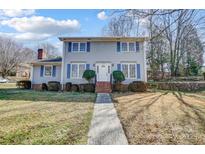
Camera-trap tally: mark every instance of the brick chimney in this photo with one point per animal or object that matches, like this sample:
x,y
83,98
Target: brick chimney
x,y
41,54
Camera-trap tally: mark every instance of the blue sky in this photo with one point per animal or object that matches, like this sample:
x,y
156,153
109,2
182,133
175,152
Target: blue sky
x,y
35,26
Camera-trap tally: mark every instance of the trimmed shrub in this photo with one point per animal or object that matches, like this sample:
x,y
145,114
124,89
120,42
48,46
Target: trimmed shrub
x,y
54,86
25,84
81,87
118,76
138,86
44,87
88,75
204,75
68,86
89,87
74,88
118,87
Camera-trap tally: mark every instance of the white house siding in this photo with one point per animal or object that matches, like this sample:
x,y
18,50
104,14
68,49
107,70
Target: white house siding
x,y
37,79
103,52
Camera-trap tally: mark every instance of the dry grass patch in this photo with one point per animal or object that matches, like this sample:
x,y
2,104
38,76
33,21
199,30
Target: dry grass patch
x,y
31,117
162,117
25,122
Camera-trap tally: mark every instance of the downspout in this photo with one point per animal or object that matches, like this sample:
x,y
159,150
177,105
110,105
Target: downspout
x,y
145,61
31,77
62,67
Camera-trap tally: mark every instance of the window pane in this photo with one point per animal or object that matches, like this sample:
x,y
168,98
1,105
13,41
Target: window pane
x,y
132,71
75,46
131,47
81,70
47,70
74,71
82,46
125,70
124,46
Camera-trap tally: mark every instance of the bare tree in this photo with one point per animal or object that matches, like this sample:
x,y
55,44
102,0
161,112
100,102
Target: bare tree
x,y
169,31
11,53
122,25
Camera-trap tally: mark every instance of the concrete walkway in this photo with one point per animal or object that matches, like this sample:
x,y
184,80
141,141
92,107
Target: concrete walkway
x,y
105,125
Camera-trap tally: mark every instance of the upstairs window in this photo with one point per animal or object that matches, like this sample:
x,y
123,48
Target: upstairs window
x,y
82,46
132,46
78,46
124,46
128,47
75,47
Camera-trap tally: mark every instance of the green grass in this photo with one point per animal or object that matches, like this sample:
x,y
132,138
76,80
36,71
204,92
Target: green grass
x,y
10,92
34,117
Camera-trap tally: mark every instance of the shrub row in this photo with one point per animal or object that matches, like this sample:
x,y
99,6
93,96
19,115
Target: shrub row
x,y
179,86
55,86
135,86
24,84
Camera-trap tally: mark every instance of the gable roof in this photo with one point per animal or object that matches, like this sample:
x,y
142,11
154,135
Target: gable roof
x,y
49,61
109,39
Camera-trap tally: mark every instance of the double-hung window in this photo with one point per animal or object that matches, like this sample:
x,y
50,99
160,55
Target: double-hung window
x,y
131,46
129,70
78,46
124,46
82,47
128,47
48,70
77,70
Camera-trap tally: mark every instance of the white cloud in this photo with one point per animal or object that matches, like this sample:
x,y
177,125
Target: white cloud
x,y
40,24
102,15
26,36
31,36
16,12
39,27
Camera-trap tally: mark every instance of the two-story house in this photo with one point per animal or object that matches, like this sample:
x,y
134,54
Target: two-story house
x,y
102,54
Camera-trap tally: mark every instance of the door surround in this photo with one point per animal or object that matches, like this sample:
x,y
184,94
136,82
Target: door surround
x,y
103,71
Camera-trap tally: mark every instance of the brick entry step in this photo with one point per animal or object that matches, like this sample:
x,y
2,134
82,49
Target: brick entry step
x,y
103,87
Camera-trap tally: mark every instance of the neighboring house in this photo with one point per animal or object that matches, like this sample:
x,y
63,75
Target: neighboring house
x,y
23,70
102,54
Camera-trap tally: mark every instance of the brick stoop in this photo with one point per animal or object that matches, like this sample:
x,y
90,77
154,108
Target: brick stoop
x,y
103,87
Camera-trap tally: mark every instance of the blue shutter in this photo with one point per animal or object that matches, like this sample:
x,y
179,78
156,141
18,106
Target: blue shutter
x,y
88,46
54,71
119,67
68,71
138,71
41,70
87,66
137,47
118,46
69,46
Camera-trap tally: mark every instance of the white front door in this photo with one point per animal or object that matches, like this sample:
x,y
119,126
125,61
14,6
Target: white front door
x,y
103,71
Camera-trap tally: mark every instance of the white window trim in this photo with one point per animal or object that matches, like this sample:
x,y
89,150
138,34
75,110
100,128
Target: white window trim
x,y
44,70
128,47
78,70
129,70
134,47
79,47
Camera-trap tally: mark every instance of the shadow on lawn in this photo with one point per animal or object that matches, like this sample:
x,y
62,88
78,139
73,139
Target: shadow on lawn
x,y
200,114
31,95
143,107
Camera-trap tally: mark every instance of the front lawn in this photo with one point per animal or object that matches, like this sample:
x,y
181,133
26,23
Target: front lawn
x,y
9,91
162,117
35,117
